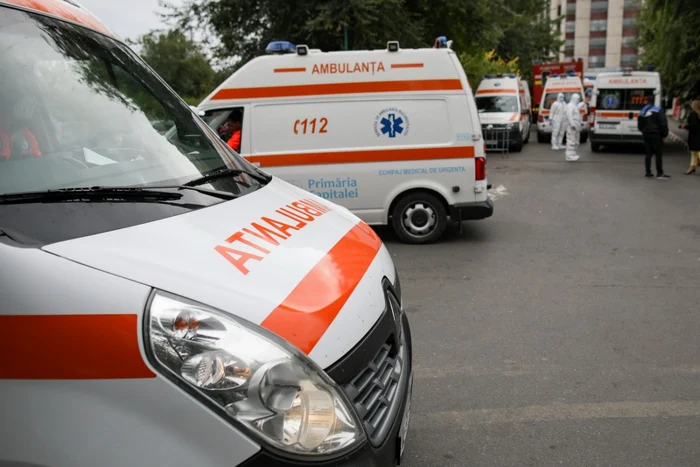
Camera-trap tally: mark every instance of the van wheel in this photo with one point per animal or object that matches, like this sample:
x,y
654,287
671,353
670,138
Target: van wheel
x,y
419,217
518,145
584,138
595,147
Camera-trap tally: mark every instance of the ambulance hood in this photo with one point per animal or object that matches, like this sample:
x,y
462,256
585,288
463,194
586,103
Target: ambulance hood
x,y
498,117
272,257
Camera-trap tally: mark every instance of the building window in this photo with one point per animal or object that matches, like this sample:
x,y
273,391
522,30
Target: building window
x,y
599,25
570,8
597,43
629,41
598,6
596,61
569,43
629,60
558,11
629,23
632,4
571,26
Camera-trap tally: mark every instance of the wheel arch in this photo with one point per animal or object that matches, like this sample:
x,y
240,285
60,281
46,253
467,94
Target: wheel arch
x,y
431,188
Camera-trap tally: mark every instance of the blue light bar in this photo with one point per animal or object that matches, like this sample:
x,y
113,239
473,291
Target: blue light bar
x,y
650,68
442,39
280,47
489,76
570,73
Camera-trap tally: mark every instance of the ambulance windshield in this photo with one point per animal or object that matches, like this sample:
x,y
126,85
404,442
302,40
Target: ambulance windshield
x,y
488,104
80,110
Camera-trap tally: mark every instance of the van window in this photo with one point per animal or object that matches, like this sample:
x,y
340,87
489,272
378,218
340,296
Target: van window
x,y
348,124
551,97
228,124
625,99
84,111
486,104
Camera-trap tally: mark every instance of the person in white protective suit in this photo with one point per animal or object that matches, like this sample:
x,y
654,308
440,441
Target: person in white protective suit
x,y
557,115
573,127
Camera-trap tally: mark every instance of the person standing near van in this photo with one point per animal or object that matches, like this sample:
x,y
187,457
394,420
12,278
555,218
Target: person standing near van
x,y
654,127
573,127
557,115
693,127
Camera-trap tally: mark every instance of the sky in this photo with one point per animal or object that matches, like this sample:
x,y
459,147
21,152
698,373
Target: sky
x,y
128,18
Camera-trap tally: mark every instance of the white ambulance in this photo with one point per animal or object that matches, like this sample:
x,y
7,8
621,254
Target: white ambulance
x,y
503,112
615,104
567,85
393,134
165,302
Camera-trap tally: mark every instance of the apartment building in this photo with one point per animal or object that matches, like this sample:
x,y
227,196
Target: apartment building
x,y
601,32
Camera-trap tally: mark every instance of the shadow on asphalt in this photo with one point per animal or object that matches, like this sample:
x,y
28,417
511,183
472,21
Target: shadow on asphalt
x,y
472,232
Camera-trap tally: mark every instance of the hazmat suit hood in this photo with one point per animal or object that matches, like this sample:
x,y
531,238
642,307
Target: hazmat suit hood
x,y
560,97
575,99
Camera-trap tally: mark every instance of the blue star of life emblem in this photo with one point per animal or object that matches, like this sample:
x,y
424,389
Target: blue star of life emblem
x,y
392,125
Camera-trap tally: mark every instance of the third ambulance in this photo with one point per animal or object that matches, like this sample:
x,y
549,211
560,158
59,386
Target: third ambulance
x,y
163,301
503,112
617,99
391,134
567,85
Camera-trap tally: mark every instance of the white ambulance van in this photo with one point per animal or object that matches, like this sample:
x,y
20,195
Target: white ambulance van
x,y
615,104
503,112
393,134
165,302
567,85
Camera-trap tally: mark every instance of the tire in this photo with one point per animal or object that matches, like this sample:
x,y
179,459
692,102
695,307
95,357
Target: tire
x,y
541,137
595,147
518,145
584,138
527,138
419,218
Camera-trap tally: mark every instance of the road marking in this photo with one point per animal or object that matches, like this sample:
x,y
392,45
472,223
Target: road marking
x,y
499,192
557,412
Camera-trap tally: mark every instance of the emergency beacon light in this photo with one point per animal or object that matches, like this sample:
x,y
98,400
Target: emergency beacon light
x,y
392,46
280,47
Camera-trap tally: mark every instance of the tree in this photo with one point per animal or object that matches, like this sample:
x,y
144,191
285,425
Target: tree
x,y
180,62
484,63
240,29
669,40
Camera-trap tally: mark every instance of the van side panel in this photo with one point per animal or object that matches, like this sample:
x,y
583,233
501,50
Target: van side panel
x,y
387,146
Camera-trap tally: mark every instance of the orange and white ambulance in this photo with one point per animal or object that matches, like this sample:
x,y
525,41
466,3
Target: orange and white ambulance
x,y
568,85
163,301
615,104
393,134
504,111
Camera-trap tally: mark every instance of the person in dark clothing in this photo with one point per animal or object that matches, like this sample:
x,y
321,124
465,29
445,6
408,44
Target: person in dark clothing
x,y
654,127
693,127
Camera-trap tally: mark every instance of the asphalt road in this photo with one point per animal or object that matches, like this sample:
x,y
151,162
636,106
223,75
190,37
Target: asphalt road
x,y
564,330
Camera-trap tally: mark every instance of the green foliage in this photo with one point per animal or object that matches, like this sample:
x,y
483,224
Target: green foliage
x,y
180,62
239,30
670,37
484,63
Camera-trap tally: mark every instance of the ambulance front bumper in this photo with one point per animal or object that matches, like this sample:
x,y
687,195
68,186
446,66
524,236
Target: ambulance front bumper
x,y
385,349
602,138
471,211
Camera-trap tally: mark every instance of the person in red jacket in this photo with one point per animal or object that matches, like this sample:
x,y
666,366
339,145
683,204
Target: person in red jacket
x,y
235,125
21,142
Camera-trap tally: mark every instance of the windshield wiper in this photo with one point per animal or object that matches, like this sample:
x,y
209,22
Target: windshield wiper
x,y
96,193
223,173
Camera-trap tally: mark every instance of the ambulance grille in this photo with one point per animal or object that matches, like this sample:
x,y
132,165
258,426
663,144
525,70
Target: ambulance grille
x,y
376,392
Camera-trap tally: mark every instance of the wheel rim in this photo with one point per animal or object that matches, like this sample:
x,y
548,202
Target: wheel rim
x,y
419,219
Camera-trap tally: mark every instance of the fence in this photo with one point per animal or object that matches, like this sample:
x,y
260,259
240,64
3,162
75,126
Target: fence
x,y
496,139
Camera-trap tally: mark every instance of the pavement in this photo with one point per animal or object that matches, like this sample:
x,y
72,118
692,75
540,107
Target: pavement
x,y
564,330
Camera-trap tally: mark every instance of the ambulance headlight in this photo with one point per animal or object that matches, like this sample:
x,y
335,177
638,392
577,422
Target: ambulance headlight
x,y
252,377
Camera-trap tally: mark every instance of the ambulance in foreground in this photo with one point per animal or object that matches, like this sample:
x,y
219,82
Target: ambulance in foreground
x,y
615,104
165,302
567,85
393,134
504,112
